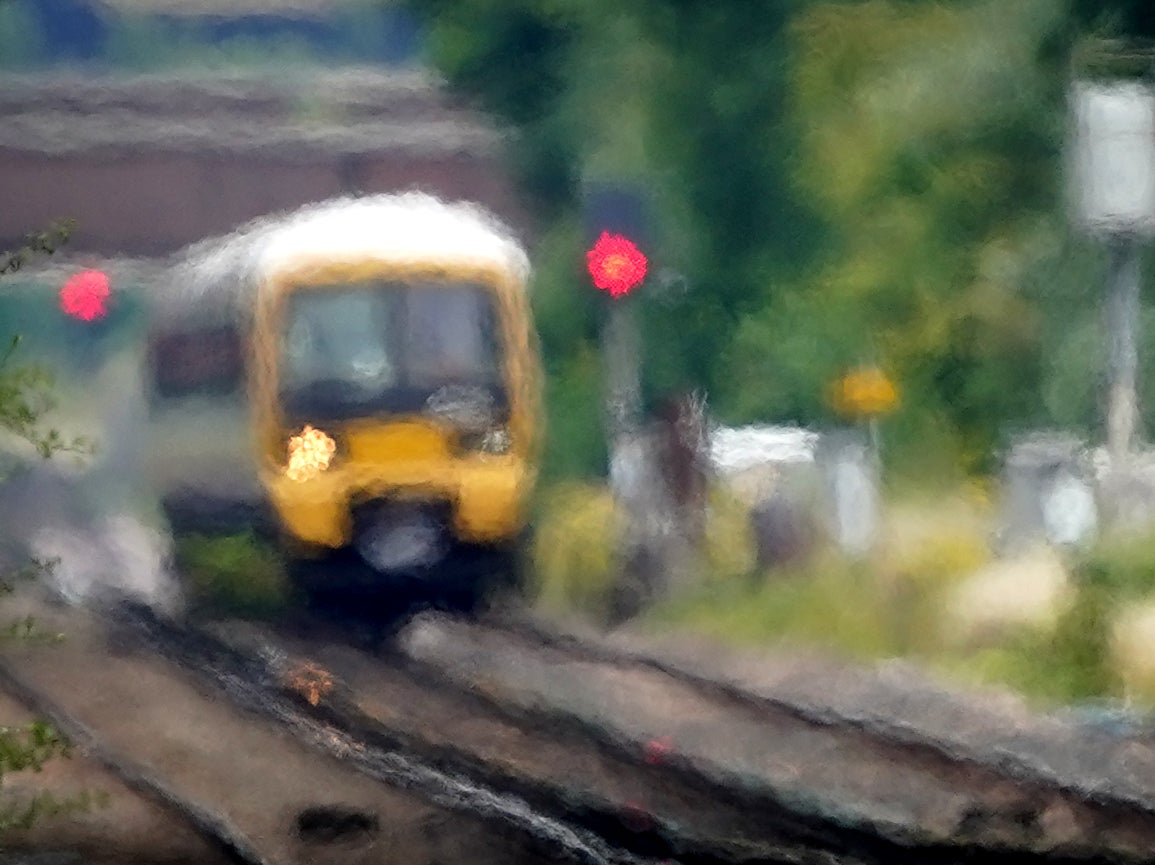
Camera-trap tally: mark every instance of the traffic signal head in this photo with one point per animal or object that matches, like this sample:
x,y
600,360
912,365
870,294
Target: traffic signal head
x,y
616,225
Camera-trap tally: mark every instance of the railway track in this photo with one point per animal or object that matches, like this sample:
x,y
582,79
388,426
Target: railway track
x,y
1082,761
581,753
847,774
632,786
300,697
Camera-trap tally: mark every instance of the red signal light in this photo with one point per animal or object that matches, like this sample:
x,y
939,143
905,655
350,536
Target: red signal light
x,y
85,295
616,264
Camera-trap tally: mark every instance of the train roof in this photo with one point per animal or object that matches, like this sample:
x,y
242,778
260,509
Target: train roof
x,y
226,272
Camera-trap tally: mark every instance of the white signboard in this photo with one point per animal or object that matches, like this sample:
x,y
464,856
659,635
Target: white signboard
x,y
1113,164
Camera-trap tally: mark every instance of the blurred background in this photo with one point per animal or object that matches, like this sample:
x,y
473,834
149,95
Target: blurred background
x,y
864,273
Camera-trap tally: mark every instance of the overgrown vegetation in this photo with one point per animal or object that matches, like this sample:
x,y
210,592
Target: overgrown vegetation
x,y
232,574
26,389
902,601
26,748
25,399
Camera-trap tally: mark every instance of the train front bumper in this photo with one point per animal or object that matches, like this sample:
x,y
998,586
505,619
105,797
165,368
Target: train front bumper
x,y
480,501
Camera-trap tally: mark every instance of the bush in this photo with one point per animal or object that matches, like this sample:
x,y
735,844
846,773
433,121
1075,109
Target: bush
x,y
574,553
573,549
1071,663
886,605
829,602
234,574
729,547
1122,566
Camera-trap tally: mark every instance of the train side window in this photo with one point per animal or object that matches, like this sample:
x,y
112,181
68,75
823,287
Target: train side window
x,y
205,362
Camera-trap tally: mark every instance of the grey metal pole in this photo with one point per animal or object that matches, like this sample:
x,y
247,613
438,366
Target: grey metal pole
x,y
1122,316
630,465
623,379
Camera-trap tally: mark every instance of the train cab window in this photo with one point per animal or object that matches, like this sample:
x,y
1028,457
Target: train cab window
x,y
451,336
348,350
339,337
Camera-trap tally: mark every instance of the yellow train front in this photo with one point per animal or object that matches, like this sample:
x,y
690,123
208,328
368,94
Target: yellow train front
x,y
393,394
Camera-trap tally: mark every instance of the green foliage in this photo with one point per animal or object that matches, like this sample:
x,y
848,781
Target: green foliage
x,y
887,605
27,748
834,183
25,630
30,746
688,102
45,242
833,605
25,396
1121,567
233,574
1067,665
513,59
1132,18
808,134
23,815
574,447
942,206
25,391
574,552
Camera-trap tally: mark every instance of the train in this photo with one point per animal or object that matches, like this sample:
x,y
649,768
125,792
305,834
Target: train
x,y
359,380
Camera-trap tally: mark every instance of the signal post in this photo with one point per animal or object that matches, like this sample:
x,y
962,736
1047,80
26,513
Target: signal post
x,y
617,266
1111,176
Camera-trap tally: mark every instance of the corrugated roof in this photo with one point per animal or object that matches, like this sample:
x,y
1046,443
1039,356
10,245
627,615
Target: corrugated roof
x,y
58,133
172,90
348,111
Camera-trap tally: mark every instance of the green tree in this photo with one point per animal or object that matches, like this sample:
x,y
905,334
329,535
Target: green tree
x,y
833,182
931,143
26,390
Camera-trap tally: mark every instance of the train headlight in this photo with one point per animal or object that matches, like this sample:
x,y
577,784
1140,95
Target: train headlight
x,y
496,441
309,453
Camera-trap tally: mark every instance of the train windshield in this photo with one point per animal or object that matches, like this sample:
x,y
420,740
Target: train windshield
x,y
349,350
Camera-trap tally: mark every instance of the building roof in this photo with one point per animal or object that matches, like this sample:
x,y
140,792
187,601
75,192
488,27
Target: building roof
x,y
305,110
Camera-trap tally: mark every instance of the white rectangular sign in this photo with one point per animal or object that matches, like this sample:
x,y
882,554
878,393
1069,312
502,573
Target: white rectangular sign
x,y
1112,172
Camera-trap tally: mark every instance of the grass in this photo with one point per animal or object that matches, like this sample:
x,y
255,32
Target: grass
x,y
233,575
890,605
1070,664
833,603
574,550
